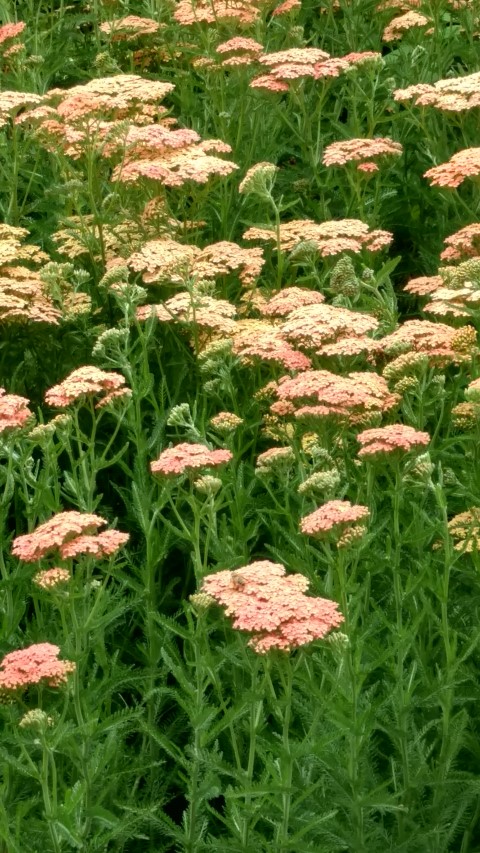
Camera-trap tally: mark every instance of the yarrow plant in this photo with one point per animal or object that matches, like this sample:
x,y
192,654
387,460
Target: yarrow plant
x,y
239,426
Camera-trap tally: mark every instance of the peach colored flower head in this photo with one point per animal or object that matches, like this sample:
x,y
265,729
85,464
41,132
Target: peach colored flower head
x,y
11,31
463,244
271,605
239,44
464,529
288,299
37,664
453,94
393,439
52,534
51,578
360,150
423,285
254,340
274,459
442,343
104,544
187,457
334,517
402,24
14,411
205,312
312,326
286,7
190,12
84,382
129,28
327,238
269,83
464,164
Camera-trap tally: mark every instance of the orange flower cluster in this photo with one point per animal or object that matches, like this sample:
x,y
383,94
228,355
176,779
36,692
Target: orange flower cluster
x,y
84,382
328,238
321,394
400,25
455,292
187,457
272,605
451,95
341,519
390,440
14,411
441,343
329,329
360,151
288,299
212,315
37,664
239,51
465,243
129,28
71,534
167,261
463,164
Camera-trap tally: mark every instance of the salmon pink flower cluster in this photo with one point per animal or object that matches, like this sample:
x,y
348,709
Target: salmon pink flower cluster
x,y
388,440
186,457
71,534
87,382
34,665
341,520
272,605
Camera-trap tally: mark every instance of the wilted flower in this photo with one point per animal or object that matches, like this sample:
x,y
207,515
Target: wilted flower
x,y
271,605
325,482
259,180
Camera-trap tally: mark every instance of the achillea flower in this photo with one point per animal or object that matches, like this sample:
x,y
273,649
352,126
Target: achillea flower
x,y
451,95
288,299
360,151
294,55
14,411
103,544
466,416
277,459
423,285
268,82
240,44
319,393
37,664
87,381
325,482
441,343
12,102
286,7
271,605
404,365
336,518
118,96
11,31
256,339
315,326
53,534
51,578
175,169
465,529
391,440
215,315
327,238
402,24
129,28
187,457
258,179
190,12
225,422
463,244
208,485
472,391
36,719
464,164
